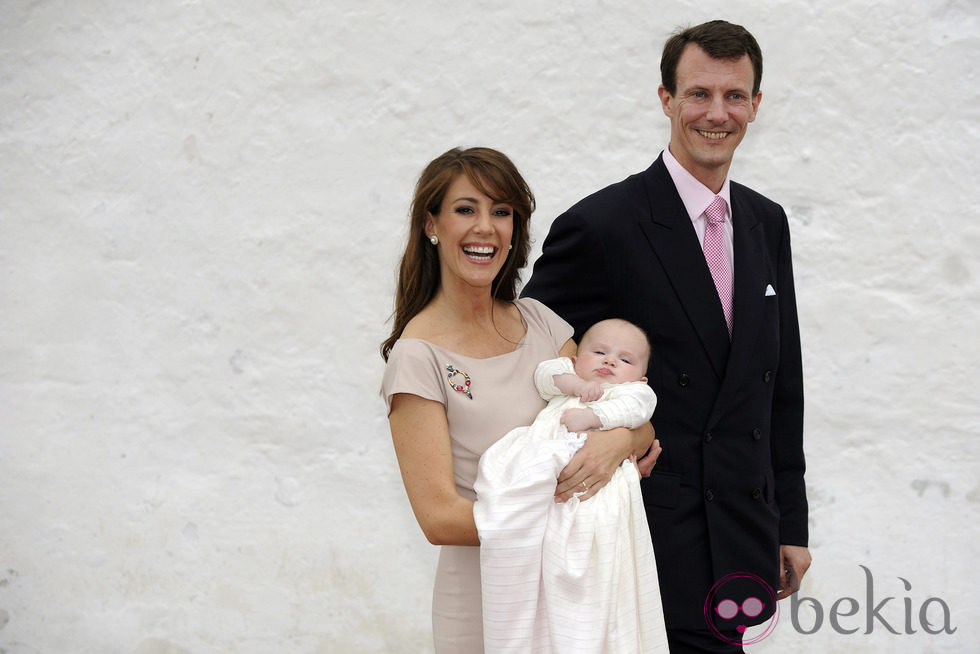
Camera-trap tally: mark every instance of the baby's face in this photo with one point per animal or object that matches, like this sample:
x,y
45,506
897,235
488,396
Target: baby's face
x,y
612,353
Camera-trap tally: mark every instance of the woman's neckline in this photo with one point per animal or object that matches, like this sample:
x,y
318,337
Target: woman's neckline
x,y
520,343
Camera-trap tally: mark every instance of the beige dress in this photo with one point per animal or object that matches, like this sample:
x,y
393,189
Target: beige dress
x,y
503,397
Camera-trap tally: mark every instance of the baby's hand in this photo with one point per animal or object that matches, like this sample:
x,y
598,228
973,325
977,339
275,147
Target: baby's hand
x,y
580,420
589,391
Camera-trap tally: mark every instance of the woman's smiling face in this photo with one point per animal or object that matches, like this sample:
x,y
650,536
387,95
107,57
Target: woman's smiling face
x,y
474,234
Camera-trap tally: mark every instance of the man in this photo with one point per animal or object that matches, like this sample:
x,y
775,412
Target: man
x,y
711,282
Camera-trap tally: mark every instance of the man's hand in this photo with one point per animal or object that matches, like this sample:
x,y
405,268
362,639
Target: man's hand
x,y
794,561
645,465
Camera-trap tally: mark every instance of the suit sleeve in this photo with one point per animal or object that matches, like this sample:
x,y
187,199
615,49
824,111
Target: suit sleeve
x,y
788,460
571,276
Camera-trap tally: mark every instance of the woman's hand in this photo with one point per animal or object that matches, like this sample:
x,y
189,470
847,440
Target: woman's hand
x,y
604,451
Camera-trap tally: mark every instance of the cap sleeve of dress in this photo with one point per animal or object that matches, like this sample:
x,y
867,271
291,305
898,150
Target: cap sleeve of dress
x,y
413,368
549,321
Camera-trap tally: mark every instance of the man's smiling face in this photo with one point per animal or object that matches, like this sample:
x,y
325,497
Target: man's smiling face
x,y
709,112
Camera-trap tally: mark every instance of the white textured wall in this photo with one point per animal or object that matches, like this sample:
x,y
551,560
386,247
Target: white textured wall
x,y
201,209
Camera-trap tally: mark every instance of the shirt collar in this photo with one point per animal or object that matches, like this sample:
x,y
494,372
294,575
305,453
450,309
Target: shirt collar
x,y
695,195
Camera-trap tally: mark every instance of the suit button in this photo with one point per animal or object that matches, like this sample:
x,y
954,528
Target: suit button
x,y
707,437
756,493
767,376
709,495
683,380
756,434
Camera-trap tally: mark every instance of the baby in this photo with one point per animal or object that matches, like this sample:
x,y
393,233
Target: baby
x,y
612,352
540,559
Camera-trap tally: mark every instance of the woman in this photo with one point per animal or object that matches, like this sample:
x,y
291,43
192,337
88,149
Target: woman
x,y
461,358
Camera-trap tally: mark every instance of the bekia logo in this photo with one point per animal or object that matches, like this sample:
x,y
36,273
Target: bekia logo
x,y
737,598
875,613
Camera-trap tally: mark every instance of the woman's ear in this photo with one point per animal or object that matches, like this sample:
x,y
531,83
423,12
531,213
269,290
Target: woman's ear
x,y
429,227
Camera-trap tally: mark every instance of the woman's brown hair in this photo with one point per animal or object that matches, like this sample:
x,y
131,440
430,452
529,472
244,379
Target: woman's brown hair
x,y
418,276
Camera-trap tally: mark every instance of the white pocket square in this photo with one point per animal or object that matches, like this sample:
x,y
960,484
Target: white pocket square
x,y
770,290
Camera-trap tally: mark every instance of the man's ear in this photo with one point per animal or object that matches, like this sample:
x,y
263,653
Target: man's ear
x,y
665,98
755,106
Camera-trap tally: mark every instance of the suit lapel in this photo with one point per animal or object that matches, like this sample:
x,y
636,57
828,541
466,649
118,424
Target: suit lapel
x,y
673,239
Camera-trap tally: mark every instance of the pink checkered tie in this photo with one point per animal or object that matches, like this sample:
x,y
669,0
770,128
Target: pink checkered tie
x,y
716,254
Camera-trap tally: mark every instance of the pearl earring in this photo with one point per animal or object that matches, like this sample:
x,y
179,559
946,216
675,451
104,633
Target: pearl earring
x,y
510,247
434,239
